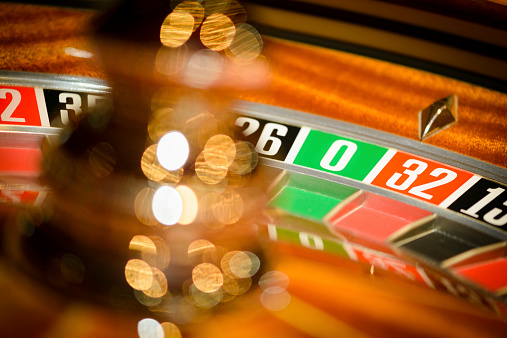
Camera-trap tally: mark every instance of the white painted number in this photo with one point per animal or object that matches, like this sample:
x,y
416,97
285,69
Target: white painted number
x,y
490,216
449,177
92,100
16,99
267,139
273,235
253,125
74,104
350,149
311,241
267,144
414,173
10,196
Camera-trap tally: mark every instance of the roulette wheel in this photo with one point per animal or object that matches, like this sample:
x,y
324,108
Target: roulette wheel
x,y
364,194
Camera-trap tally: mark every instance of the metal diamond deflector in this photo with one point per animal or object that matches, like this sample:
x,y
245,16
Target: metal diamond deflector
x,y
439,115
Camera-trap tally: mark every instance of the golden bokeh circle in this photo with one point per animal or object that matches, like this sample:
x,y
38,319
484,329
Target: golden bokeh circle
x,y
145,299
228,207
205,300
245,160
163,257
143,246
142,206
171,60
190,204
154,171
215,6
236,12
274,279
247,44
223,143
171,330
159,285
193,8
217,32
207,277
211,166
161,121
206,215
150,165
176,28
138,274
240,265
212,127
199,247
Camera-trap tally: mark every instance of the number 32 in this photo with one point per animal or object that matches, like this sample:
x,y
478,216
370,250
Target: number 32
x,y
418,167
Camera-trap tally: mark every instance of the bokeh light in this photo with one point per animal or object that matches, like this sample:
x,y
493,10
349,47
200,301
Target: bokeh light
x,y
199,247
159,285
205,299
213,171
176,28
143,206
161,122
245,160
203,69
163,257
275,299
228,207
190,204
138,274
217,32
150,328
207,277
171,330
144,246
145,299
236,12
215,6
224,144
167,205
170,61
193,8
150,165
274,279
173,150
274,296
247,43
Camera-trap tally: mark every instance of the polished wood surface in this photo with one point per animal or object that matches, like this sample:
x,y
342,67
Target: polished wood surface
x,y
35,39
384,96
331,296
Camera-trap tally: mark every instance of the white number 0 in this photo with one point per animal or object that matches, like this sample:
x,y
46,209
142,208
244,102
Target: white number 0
x,y
350,149
413,174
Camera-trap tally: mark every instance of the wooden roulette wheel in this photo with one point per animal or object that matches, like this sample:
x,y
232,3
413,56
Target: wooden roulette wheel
x,y
377,221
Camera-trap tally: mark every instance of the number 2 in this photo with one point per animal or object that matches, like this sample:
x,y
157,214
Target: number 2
x,y
449,177
16,99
